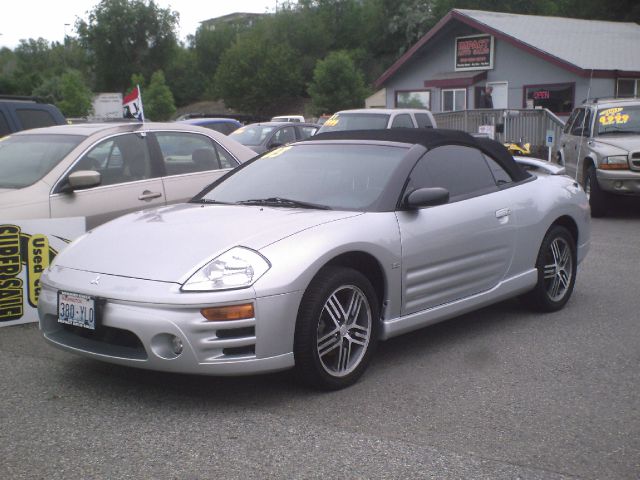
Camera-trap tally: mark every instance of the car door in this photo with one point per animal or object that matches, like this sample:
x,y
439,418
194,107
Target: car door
x,y
129,181
574,140
305,131
462,248
282,136
191,161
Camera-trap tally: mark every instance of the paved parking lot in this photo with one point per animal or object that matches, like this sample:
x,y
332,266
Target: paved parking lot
x,y
497,394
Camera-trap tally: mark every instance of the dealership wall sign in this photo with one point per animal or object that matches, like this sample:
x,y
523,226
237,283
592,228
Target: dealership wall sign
x,y
474,52
27,248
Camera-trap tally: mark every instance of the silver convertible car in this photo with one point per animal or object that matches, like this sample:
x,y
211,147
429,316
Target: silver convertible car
x,y
309,255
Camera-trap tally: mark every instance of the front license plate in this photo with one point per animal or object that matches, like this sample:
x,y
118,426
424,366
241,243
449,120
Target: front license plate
x,y
77,309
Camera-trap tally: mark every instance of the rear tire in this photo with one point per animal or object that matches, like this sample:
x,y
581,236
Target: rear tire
x,y
557,266
336,329
597,197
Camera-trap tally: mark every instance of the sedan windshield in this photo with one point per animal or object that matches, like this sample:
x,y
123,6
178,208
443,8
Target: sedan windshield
x,y
252,134
342,177
355,121
623,120
25,159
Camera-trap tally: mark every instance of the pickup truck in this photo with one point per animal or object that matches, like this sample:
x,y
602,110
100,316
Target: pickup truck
x,y
600,147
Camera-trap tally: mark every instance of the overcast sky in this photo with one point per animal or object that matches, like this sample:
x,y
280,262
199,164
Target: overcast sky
x,y
24,19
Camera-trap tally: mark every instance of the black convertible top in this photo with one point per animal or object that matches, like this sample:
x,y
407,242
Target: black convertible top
x,y
432,138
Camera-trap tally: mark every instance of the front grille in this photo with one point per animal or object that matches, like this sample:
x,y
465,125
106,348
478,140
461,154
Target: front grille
x,y
236,332
108,341
249,350
219,341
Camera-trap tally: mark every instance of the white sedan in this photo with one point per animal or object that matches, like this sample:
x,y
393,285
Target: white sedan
x,y
102,171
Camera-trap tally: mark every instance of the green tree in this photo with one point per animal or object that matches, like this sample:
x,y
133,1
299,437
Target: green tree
x,y
69,92
126,36
8,85
258,76
157,99
137,80
337,84
76,96
208,47
187,82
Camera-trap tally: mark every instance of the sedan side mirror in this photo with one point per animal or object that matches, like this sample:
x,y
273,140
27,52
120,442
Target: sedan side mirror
x,y
426,197
274,144
84,179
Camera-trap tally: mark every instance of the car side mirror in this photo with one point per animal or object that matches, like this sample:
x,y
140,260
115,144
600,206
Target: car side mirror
x,y
275,144
426,197
83,179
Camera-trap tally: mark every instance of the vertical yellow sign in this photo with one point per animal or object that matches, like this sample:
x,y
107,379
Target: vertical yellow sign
x,y
37,262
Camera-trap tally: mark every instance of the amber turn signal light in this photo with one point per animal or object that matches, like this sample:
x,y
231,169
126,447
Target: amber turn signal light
x,y
228,312
614,166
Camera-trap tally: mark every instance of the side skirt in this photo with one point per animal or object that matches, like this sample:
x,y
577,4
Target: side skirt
x,y
505,289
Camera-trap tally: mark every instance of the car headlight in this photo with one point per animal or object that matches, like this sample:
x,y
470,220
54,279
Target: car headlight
x,y
236,268
615,162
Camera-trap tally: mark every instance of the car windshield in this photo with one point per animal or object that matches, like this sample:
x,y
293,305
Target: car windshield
x,y
252,134
341,177
355,121
25,159
624,120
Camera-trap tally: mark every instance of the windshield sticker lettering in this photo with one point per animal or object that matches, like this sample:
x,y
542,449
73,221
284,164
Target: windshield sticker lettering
x,y
277,152
613,116
333,121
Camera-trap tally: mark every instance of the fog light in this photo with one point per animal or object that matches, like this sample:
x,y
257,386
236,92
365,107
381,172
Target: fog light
x,y
176,345
167,346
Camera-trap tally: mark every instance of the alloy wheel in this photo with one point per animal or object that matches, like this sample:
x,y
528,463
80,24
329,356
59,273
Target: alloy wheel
x,y
558,269
344,331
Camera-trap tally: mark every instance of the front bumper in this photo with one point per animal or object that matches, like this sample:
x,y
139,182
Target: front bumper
x,y
621,182
139,317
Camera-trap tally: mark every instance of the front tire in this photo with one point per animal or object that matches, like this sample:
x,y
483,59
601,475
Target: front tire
x,y
557,266
597,197
336,329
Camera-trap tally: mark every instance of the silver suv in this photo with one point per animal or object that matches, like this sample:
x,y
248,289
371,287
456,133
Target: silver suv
x,y
600,147
378,119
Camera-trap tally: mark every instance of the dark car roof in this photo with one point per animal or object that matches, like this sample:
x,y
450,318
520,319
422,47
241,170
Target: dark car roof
x,y
432,138
201,120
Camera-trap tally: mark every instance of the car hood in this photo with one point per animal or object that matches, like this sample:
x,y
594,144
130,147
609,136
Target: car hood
x,y
630,143
170,243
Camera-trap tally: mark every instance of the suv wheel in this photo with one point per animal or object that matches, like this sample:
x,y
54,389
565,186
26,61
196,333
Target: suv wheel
x,y
597,197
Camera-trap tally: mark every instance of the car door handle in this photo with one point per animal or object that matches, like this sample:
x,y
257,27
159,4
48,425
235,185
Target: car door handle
x,y
503,212
147,195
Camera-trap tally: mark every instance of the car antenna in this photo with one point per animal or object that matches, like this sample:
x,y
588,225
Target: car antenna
x,y
584,118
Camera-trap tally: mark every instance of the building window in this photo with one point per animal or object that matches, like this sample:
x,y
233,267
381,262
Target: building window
x,y
556,97
453,100
627,87
414,99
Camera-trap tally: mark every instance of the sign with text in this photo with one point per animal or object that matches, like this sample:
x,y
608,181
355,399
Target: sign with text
x,y
27,248
474,52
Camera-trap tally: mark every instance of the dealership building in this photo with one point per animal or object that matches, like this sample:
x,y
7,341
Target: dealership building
x,y
529,61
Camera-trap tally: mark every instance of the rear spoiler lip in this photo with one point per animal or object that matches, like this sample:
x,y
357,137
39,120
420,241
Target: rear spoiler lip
x,y
539,164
